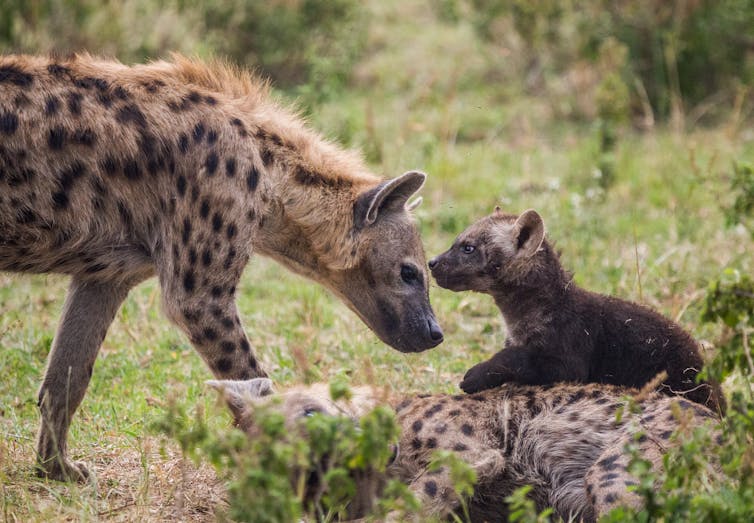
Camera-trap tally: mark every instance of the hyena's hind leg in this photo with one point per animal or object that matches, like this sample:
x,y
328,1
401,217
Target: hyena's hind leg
x,y
198,288
609,484
88,311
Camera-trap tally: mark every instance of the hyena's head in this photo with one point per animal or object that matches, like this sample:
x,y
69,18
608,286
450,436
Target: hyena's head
x,y
497,250
387,285
246,398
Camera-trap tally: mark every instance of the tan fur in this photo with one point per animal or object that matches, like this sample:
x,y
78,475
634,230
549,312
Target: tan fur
x,y
181,169
564,440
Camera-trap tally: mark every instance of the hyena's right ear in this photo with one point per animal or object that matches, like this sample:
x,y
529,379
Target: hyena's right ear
x,y
528,233
240,394
388,196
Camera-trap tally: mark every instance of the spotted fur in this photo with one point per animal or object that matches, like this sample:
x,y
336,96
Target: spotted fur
x,y
564,440
112,174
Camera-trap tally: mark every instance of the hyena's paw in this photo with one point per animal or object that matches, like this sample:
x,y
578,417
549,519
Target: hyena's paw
x,y
481,376
63,470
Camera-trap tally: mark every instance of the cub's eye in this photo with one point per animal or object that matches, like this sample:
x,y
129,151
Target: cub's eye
x,y
468,249
409,273
310,411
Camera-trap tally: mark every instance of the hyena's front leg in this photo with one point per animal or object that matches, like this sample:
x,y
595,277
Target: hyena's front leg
x,y
89,309
198,287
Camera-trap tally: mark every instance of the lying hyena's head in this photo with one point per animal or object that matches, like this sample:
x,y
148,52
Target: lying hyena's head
x,y
497,250
387,286
296,405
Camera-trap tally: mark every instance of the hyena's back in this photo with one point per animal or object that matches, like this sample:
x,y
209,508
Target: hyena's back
x,y
91,166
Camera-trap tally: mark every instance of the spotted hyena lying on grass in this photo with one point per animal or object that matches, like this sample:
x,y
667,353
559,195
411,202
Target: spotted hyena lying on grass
x,y
564,440
112,174
556,330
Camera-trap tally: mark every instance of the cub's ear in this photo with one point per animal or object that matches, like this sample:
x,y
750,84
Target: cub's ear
x,y
388,196
528,233
239,394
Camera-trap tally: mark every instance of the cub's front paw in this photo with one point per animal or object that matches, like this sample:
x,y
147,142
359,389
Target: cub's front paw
x,y
481,376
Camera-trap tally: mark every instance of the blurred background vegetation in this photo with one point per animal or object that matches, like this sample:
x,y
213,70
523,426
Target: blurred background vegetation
x,y
627,123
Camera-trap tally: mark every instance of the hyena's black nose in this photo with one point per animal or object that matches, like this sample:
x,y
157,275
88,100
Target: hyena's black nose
x,y
432,263
435,332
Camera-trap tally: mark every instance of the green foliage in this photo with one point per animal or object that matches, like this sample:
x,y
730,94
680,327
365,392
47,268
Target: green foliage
x,y
522,508
314,470
742,187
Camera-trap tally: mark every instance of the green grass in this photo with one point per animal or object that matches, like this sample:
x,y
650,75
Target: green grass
x,y
481,146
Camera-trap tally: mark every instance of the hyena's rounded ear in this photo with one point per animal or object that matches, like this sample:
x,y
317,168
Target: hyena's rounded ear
x,y
240,394
386,197
528,233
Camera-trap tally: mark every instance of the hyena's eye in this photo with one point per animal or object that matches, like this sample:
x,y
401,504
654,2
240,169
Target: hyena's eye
x,y
467,249
311,411
409,273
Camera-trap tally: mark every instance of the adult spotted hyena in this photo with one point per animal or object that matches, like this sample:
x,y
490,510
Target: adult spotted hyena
x,y
564,440
112,174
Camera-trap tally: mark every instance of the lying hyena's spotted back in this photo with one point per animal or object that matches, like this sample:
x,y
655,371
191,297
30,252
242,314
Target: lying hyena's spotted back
x,y
112,174
565,440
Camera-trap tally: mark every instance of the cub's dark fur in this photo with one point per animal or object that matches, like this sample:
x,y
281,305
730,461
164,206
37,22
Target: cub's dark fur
x,y
556,330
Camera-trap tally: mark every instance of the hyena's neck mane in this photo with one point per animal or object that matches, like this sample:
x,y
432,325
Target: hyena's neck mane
x,y
312,183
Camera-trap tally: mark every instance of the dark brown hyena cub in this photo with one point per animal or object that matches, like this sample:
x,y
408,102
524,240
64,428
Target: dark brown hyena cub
x,y
556,330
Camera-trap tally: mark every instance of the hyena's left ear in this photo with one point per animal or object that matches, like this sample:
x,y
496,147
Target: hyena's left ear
x,y
528,233
386,197
240,394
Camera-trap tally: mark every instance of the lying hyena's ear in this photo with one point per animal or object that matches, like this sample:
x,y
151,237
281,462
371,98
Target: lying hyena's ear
x,y
528,233
389,196
239,394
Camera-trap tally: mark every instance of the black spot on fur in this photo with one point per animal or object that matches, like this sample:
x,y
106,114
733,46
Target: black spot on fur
x,y
416,426
206,258
211,163
131,170
210,334
266,156
224,365
8,122
84,137
212,137
186,233
74,103
245,345
210,100
434,409
15,76
192,256
467,429
217,222
131,114
432,443
183,143
60,200
216,291
666,434
189,281
252,179
109,165
608,463
26,216
227,347
52,105
610,498
230,167
56,138
455,412
416,444
58,70
181,185
70,174
231,230
198,132
430,488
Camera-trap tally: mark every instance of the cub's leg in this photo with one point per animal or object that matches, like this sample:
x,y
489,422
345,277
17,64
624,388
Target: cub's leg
x,y
88,311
